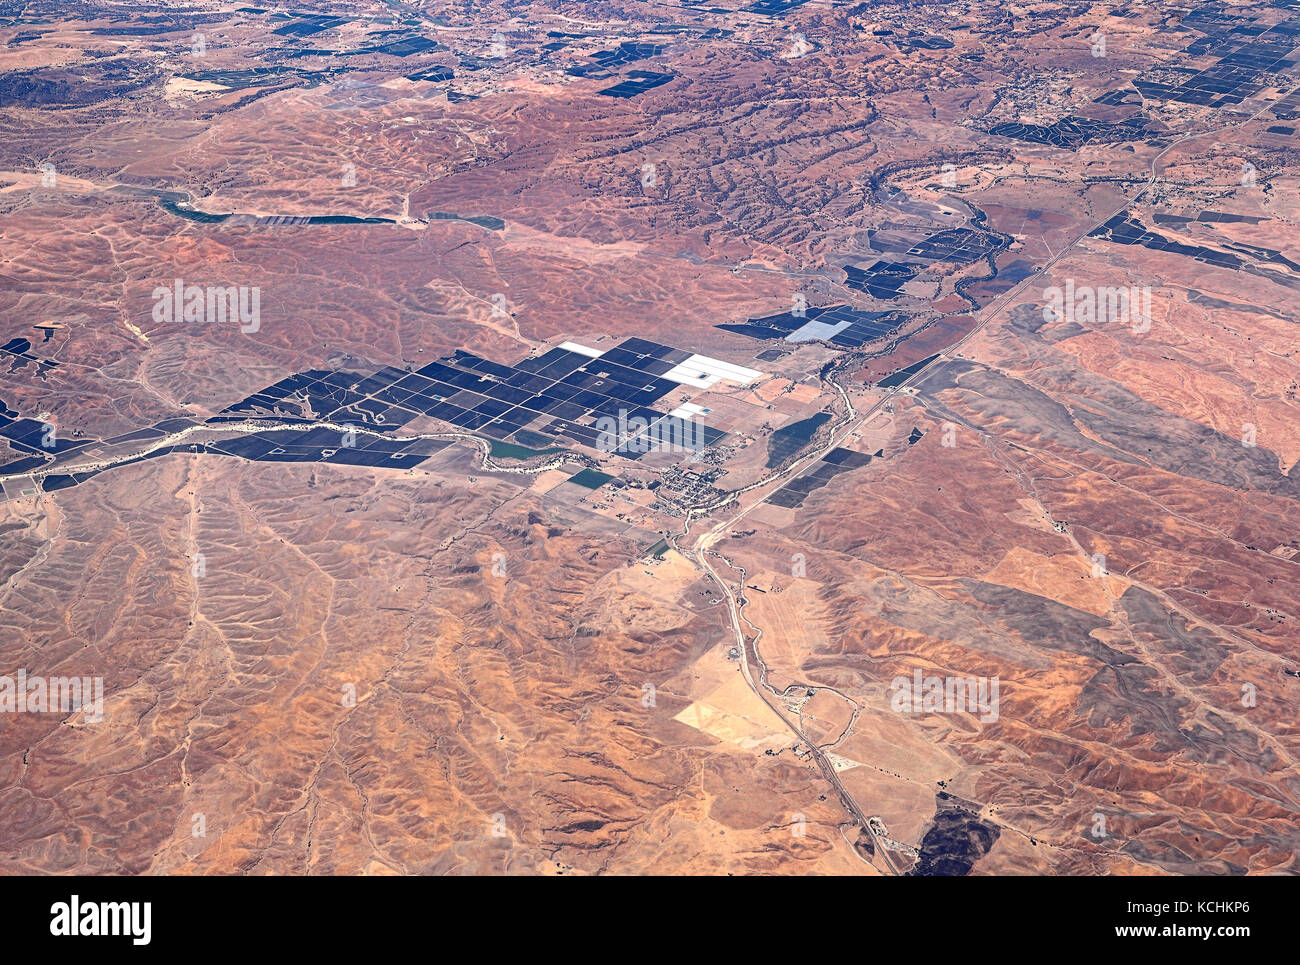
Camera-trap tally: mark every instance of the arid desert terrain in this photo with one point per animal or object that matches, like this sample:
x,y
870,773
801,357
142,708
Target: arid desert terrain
x,y
566,438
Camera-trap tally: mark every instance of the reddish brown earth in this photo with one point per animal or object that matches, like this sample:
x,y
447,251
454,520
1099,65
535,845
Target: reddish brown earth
x,y
476,665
